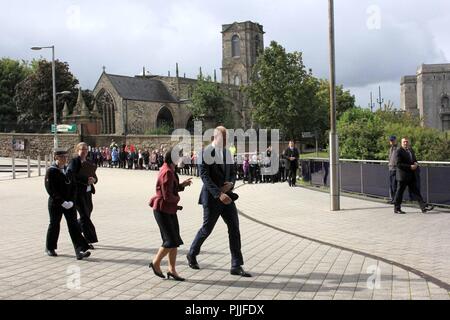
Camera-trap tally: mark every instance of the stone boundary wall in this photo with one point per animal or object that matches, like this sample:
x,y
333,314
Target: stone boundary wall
x,y
36,144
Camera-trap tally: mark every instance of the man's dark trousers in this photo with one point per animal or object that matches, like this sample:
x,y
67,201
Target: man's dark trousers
x,y
412,186
392,184
230,217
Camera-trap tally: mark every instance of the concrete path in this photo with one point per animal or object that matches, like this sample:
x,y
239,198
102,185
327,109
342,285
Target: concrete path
x,y
279,228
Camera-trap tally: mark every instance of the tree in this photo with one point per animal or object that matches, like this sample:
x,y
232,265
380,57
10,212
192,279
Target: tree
x,y
208,103
282,92
364,135
344,99
359,132
34,95
12,72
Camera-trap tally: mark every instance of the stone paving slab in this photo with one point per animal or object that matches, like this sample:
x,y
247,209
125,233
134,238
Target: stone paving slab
x,y
421,241
284,266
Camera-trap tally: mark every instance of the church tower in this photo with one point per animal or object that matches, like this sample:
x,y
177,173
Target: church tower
x,y
242,42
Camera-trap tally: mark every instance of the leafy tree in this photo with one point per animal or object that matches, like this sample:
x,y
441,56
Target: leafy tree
x,y
12,72
364,135
286,96
208,102
359,132
34,95
344,99
282,92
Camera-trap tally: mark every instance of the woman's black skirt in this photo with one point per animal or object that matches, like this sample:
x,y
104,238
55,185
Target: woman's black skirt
x,y
169,228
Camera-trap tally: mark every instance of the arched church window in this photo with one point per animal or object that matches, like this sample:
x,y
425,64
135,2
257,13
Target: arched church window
x,y
107,110
235,46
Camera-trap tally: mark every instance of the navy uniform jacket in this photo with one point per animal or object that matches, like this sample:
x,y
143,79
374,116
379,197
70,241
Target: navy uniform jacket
x,y
60,187
214,177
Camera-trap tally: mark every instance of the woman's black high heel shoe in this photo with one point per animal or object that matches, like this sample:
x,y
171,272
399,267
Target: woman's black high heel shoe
x,y
177,278
159,274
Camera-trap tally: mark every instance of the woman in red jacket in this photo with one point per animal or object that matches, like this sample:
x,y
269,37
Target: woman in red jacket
x,y
165,206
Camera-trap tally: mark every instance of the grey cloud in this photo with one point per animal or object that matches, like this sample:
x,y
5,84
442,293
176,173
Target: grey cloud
x,y
124,36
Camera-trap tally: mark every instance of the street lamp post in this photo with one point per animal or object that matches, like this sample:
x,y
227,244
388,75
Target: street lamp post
x,y
55,136
334,147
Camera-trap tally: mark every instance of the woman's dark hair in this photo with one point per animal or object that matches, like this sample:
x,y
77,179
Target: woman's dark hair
x,y
168,156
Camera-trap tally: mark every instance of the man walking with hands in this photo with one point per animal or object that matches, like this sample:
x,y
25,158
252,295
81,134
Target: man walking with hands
x,y
218,174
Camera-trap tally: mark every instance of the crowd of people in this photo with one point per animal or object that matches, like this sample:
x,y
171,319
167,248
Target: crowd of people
x,y
252,167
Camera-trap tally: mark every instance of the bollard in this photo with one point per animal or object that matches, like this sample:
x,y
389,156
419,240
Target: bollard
x,y
39,165
28,167
13,167
46,162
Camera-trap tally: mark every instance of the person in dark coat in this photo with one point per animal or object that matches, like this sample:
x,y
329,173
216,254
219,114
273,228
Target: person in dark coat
x,y
406,166
61,188
218,176
85,189
165,206
392,168
292,155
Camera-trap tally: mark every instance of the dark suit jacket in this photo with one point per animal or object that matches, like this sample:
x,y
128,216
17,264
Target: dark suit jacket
x,y
404,163
214,177
292,153
81,181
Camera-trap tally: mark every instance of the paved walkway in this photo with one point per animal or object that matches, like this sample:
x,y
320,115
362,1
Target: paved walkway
x,y
285,264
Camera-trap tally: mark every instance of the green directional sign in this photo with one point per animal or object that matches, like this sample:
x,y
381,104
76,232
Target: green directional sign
x,y
68,128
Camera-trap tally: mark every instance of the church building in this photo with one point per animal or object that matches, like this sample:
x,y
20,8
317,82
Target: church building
x,y
142,103
427,94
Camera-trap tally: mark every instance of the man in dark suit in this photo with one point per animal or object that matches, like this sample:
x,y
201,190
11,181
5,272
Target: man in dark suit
x,y
292,155
406,167
218,174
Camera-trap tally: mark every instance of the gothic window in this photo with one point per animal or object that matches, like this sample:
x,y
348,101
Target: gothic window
x,y
107,108
235,46
237,80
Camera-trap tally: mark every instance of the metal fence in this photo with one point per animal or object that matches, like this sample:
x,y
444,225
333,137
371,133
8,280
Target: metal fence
x,y
371,178
14,168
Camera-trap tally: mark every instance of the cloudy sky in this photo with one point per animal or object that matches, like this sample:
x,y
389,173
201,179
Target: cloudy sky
x,y
376,41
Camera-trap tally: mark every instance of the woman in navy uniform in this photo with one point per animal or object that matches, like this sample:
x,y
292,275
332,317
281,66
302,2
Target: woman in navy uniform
x,y
61,189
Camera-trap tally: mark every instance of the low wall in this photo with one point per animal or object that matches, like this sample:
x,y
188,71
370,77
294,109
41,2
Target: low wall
x,y
35,144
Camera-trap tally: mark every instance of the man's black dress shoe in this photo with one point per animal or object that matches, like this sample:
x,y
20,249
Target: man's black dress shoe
x,y
399,211
91,247
81,255
192,261
427,208
51,253
175,277
240,272
158,273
